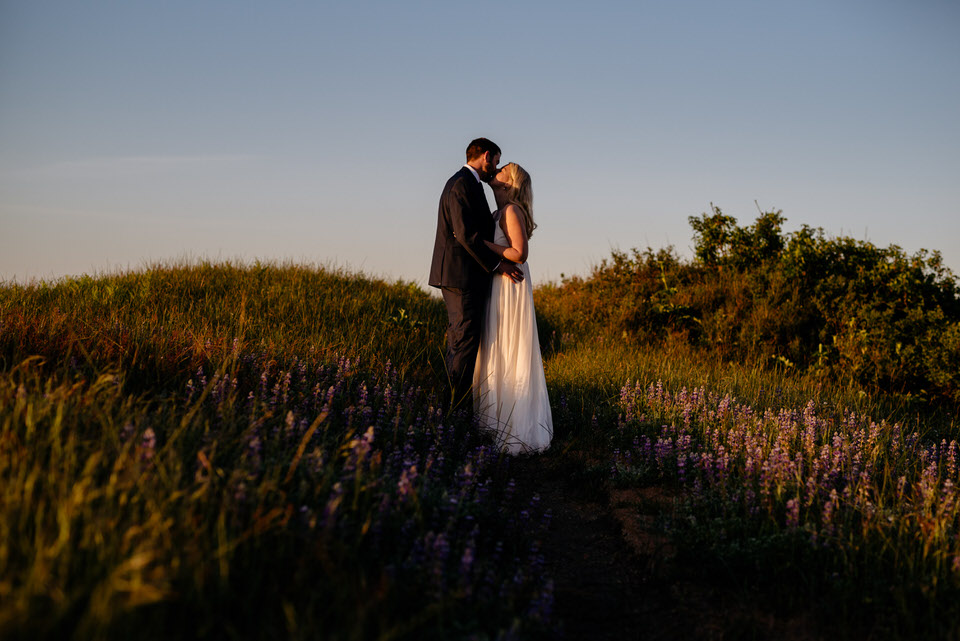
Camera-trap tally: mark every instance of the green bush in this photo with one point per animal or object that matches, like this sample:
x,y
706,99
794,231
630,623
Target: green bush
x,y
831,307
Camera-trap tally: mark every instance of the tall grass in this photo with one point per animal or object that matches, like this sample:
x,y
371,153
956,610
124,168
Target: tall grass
x,y
247,452
253,451
160,324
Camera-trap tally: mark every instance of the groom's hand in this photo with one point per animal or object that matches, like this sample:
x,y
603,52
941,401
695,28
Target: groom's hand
x,y
510,269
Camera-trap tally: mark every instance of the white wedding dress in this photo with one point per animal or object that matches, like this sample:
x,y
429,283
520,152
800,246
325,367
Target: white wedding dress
x,y
509,387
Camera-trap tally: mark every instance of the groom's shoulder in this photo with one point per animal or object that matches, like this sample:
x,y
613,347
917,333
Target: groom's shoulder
x,y
461,174
458,179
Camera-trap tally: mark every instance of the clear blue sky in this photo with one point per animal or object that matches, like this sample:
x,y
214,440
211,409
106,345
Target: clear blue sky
x,y
136,131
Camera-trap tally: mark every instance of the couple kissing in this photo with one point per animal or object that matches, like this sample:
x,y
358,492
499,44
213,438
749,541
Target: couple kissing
x,y
493,359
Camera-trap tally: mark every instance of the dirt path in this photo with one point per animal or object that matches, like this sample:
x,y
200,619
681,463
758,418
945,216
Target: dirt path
x,y
615,573
604,589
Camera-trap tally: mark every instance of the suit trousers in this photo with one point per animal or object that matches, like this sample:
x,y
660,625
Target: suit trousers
x,y
465,309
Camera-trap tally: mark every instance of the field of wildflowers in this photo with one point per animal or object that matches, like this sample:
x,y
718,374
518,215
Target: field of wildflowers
x,y
175,466
257,451
859,516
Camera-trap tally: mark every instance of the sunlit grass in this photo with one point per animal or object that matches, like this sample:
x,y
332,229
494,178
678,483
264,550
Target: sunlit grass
x,y
593,372
257,451
247,452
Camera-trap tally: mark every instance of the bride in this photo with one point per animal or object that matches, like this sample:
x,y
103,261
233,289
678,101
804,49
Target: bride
x,y
509,387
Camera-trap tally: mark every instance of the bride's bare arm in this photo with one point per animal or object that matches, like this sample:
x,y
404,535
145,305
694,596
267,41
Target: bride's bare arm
x,y
516,235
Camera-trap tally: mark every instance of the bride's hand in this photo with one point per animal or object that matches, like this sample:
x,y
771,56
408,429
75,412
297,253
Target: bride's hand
x,y
510,269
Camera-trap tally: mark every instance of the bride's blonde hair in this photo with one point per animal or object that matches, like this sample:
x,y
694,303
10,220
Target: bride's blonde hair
x,y
520,193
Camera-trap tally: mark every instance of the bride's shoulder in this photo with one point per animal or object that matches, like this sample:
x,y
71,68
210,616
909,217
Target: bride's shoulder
x,y
511,209
512,215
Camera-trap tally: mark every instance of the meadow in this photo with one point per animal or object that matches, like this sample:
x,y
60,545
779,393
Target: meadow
x,y
258,451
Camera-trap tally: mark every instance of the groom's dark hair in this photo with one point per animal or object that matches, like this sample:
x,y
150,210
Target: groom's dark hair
x,y
480,146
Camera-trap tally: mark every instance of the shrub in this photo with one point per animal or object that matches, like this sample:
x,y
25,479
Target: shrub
x,y
835,308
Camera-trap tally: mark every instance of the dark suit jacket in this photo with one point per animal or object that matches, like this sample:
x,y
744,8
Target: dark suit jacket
x,y
460,257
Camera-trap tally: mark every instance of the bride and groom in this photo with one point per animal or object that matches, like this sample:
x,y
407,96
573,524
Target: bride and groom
x,y
479,263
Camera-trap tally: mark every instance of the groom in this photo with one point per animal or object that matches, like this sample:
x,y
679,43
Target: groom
x,y
463,265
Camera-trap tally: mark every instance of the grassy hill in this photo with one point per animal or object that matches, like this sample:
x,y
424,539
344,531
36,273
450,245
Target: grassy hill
x,y
257,451
249,452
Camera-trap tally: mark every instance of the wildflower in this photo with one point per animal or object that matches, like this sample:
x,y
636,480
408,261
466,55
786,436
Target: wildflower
x,y
793,513
127,431
363,398
829,508
952,459
358,449
509,491
263,383
681,468
948,497
405,484
288,377
148,443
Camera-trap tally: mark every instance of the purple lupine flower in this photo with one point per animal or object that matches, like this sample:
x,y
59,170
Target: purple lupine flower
x,y
148,444
281,390
363,399
405,484
927,485
264,381
214,387
793,513
127,431
901,485
829,509
948,497
681,468
509,490
952,460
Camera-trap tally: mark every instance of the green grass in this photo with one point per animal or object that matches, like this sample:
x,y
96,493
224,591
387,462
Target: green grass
x,y
254,451
163,322
246,452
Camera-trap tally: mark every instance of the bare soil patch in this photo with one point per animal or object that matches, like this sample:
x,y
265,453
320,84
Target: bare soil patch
x,y
616,573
